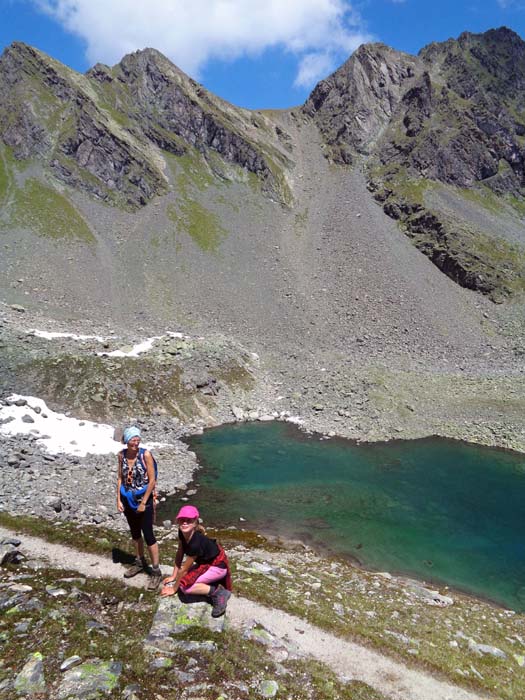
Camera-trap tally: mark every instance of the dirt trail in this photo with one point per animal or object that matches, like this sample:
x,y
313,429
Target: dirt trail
x,y
347,659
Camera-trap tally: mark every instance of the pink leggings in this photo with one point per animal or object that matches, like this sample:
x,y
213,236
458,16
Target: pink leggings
x,y
211,575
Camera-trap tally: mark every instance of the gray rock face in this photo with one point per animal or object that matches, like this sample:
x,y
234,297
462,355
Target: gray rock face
x,y
454,115
30,680
163,95
486,649
357,101
420,101
89,153
90,680
69,128
8,554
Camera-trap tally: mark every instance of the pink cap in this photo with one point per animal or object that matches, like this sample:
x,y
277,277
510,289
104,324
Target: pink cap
x,y
188,512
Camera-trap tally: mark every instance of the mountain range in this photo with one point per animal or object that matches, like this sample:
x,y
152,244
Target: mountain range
x,y
380,223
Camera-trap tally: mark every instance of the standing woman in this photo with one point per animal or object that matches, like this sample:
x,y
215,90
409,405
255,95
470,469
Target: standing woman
x,y
205,571
135,487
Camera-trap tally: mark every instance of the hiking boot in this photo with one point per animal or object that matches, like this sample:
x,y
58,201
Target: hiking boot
x,y
219,601
136,568
154,580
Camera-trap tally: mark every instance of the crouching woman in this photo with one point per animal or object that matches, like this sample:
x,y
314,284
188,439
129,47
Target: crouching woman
x,y
201,565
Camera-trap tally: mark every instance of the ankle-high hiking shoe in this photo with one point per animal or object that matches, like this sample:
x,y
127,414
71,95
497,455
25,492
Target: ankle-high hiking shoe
x,y
136,568
219,601
154,580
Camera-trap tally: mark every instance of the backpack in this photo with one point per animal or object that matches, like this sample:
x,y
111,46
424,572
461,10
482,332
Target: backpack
x,y
133,497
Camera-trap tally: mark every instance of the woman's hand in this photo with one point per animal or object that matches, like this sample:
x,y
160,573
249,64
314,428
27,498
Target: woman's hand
x,y
120,507
141,508
169,579
168,589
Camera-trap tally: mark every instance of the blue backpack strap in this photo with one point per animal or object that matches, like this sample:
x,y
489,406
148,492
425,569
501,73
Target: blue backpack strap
x,y
133,497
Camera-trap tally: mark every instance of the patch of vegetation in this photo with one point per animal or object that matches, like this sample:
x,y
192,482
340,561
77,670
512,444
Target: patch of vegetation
x,y
381,612
199,223
483,197
283,188
190,171
102,388
518,204
4,176
45,211
241,660
63,614
236,375
87,538
469,256
300,222
92,618
192,174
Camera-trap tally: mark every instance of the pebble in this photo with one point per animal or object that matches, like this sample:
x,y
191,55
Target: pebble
x,y
268,688
70,663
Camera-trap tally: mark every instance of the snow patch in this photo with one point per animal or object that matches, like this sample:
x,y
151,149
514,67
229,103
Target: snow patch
x,y
144,346
52,335
136,350
56,432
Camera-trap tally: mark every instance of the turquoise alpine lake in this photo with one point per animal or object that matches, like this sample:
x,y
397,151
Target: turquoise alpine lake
x,y
443,511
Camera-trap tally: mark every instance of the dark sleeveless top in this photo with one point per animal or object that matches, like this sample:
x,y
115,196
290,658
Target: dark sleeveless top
x,y
203,548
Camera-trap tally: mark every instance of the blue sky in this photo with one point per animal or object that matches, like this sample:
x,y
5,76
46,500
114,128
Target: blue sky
x,y
254,53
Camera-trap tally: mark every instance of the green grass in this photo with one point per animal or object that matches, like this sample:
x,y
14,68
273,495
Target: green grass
x,y
191,171
517,203
498,264
46,212
202,225
300,222
193,175
483,197
60,627
4,176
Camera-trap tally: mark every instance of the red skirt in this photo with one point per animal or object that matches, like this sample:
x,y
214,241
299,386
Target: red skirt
x,y
197,570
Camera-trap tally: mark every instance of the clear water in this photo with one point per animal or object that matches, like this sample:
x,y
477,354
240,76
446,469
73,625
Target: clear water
x,y
440,510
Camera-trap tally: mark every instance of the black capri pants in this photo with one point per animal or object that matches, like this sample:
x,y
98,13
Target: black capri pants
x,y
141,523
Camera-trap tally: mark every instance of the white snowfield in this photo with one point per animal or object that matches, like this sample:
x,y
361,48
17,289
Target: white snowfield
x,y
48,335
142,347
136,350
59,433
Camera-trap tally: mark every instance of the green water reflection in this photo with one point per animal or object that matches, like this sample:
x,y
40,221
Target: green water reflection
x,y
437,509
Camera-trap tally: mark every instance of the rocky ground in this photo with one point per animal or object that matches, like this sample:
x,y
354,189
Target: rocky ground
x,y
323,313
297,626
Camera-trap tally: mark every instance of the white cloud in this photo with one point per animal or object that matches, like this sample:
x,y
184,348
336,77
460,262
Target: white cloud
x,y
312,67
193,32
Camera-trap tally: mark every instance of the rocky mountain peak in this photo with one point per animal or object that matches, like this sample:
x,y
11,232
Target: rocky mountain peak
x,y
149,61
102,131
476,63
353,104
